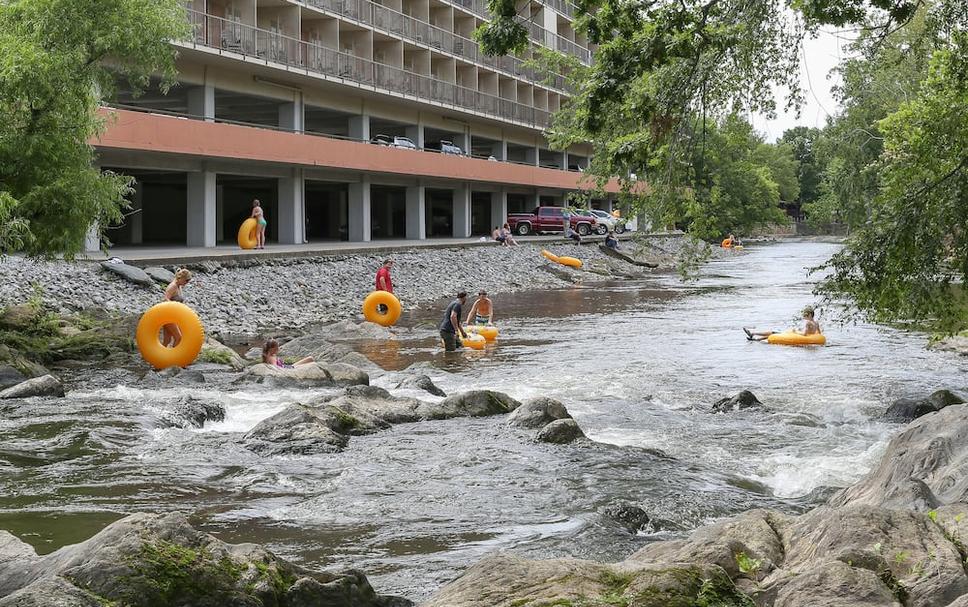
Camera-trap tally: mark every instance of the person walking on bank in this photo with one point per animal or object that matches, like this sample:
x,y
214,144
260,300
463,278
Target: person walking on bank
x,y
482,312
171,334
450,326
260,217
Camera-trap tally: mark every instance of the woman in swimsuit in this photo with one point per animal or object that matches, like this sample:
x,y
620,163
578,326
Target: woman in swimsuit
x,y
171,334
259,216
270,356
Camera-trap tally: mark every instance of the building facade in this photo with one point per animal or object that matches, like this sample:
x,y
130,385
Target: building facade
x,y
348,119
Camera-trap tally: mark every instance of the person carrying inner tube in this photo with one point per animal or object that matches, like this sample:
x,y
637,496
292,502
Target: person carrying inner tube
x,y
482,312
170,334
383,282
450,326
808,327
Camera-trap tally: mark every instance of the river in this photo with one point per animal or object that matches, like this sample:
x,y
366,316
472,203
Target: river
x,y
637,363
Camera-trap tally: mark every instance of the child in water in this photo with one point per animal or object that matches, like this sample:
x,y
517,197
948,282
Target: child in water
x,y
809,327
270,356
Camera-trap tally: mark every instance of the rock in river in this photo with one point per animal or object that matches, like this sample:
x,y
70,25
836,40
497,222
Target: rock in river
x,y
537,413
46,385
560,432
145,560
312,374
904,410
476,403
738,402
421,382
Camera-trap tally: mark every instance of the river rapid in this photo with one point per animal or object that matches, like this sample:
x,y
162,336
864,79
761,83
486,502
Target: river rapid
x,y
637,363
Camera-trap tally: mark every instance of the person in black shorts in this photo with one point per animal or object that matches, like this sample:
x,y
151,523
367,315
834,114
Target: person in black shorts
x,y
450,325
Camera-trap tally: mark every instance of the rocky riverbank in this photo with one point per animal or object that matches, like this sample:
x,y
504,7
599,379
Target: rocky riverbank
x,y
255,295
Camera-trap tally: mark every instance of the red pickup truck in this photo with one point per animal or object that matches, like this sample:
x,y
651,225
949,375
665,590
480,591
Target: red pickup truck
x,y
550,219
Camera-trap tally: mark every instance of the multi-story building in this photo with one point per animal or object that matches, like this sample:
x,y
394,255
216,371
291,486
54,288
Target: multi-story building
x,y
294,102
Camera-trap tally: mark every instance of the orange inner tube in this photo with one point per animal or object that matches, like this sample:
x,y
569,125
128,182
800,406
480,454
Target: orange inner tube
x,y
488,332
371,308
549,255
157,354
248,232
727,243
474,341
571,262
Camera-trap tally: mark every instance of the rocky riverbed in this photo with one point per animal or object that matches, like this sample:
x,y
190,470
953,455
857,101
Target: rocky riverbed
x,y
246,297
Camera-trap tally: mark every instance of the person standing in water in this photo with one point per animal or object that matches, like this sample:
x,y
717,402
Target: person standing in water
x,y
808,327
259,215
482,312
450,326
170,334
383,282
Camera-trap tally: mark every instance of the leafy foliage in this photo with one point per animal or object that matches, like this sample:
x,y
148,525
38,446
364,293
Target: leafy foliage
x,y
58,60
910,260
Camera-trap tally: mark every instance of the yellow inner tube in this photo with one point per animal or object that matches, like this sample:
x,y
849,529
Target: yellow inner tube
x,y
789,338
474,341
247,233
371,308
549,255
170,313
570,262
488,332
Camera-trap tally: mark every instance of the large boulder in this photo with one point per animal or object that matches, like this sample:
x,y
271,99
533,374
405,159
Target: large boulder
x,y
193,413
312,374
214,351
46,385
836,584
10,376
560,432
956,343
476,403
421,382
924,466
905,410
52,591
130,273
160,275
737,402
147,560
538,413
298,430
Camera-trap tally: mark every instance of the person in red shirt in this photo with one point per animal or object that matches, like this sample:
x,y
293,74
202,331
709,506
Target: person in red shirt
x,y
383,282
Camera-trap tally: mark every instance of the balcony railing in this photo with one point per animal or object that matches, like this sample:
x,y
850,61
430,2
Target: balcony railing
x,y
216,32
405,26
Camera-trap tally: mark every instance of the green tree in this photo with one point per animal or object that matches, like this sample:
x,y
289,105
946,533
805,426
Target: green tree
x,y
59,60
779,158
909,261
809,168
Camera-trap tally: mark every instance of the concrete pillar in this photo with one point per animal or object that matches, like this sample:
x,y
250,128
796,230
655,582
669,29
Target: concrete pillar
x,y
499,208
463,141
136,219
201,209
462,211
292,208
416,134
532,156
565,161
92,241
500,150
219,213
292,115
201,101
359,127
416,213
359,210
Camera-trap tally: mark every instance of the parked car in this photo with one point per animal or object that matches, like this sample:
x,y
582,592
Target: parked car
x,y
448,147
381,140
550,219
404,142
606,221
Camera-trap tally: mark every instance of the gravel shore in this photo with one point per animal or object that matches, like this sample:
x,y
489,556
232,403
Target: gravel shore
x,y
258,294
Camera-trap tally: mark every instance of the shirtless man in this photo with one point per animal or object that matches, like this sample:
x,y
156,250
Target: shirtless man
x,y
482,312
809,327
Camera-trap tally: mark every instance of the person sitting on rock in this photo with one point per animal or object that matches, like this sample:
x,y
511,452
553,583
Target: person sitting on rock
x,y
498,237
610,241
482,312
270,356
809,327
170,334
508,238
